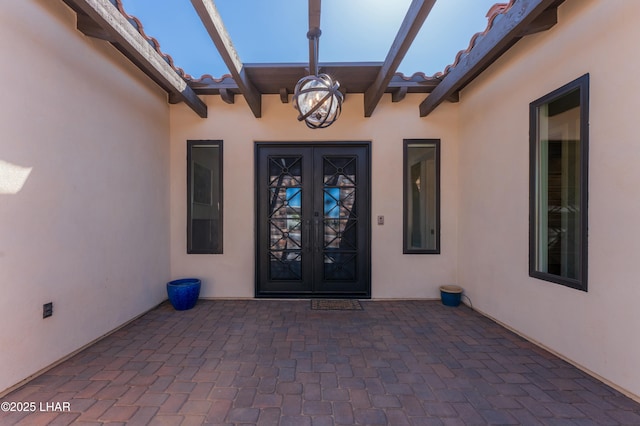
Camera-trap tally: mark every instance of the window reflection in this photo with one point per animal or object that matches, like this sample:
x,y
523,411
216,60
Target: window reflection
x,y
204,186
421,197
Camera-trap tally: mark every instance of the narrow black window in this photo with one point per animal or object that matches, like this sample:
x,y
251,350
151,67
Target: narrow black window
x,y
421,196
204,196
559,186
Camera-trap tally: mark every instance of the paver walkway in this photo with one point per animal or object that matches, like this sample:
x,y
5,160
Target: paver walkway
x,y
273,362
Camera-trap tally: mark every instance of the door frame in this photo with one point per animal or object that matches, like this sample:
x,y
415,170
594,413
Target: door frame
x,y
365,250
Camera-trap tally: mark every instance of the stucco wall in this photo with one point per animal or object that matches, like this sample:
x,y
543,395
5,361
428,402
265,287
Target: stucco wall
x,y
88,230
597,330
394,275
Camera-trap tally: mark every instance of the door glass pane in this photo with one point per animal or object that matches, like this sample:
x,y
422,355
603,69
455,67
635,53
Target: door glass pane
x,y
284,218
339,217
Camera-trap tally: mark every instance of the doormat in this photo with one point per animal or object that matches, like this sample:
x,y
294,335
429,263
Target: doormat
x,y
336,305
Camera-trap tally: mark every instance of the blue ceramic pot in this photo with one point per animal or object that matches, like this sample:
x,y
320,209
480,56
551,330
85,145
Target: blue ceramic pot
x,y
183,294
450,295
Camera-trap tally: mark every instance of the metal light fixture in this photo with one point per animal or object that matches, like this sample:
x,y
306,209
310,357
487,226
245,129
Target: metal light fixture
x,y
317,97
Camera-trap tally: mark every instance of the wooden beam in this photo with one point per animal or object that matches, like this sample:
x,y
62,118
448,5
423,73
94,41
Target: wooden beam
x,y
416,15
88,27
399,94
314,34
504,33
136,48
173,99
215,27
280,79
314,13
120,32
284,95
544,22
227,96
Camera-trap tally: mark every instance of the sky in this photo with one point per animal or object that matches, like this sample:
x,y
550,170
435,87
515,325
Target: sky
x,y
275,31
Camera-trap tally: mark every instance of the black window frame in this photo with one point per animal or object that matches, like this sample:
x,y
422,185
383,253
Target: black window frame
x,y
580,283
405,202
190,241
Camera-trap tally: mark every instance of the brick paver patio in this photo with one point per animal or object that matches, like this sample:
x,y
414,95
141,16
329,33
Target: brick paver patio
x,y
273,362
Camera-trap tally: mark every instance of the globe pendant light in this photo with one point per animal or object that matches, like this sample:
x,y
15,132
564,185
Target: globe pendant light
x,y
317,97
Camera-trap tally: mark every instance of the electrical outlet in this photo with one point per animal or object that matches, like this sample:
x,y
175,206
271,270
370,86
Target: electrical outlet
x,y
47,310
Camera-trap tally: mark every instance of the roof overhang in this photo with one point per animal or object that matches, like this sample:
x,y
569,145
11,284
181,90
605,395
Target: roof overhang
x,y
508,23
354,77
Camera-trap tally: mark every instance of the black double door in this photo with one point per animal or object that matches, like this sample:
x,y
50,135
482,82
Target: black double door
x,y
313,220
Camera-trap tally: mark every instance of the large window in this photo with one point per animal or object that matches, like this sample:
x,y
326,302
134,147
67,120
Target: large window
x,y
204,196
421,196
558,185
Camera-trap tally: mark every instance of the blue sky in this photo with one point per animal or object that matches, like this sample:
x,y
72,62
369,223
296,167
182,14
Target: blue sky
x,y
275,31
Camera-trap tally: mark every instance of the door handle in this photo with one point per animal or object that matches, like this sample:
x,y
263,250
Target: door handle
x,y
317,234
307,235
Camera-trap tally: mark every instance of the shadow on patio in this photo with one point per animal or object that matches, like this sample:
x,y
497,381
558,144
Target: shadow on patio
x,y
280,362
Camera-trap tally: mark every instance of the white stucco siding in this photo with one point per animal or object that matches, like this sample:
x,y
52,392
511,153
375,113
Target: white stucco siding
x,y
598,329
88,229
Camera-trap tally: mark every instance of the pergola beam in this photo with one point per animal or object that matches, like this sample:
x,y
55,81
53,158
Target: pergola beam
x,y
314,23
543,22
212,21
520,19
416,15
227,96
117,29
89,28
314,13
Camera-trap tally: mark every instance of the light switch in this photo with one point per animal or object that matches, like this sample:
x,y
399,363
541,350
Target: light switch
x,y
380,220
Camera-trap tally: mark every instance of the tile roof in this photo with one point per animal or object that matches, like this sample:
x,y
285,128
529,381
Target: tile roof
x,y
494,12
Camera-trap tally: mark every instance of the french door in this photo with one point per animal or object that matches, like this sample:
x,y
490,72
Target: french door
x,y
313,220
